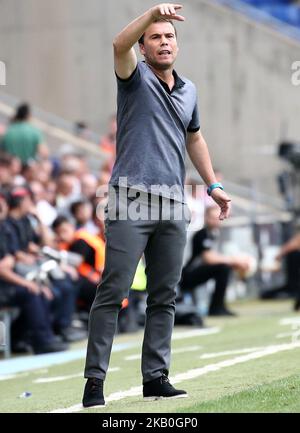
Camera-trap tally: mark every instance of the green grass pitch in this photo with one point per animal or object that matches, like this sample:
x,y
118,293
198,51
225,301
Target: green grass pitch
x,y
268,383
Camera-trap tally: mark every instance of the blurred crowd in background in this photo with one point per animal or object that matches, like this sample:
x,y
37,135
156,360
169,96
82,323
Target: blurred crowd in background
x,y
52,242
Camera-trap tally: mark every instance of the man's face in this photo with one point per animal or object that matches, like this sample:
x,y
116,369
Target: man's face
x,y
160,47
26,205
65,233
5,174
84,213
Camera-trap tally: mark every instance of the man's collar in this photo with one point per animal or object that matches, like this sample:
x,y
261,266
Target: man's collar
x,y
178,81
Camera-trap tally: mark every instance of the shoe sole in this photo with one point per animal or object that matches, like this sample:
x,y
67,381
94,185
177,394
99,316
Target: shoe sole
x,y
94,405
159,397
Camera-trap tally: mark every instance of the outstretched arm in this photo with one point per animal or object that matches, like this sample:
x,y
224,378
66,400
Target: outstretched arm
x,y
124,54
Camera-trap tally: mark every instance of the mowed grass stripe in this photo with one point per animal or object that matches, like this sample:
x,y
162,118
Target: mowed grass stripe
x,y
278,396
247,331
196,373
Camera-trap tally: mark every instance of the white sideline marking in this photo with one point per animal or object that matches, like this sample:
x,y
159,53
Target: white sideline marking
x,y
230,352
290,321
175,351
268,350
284,335
9,376
195,372
71,376
13,376
38,362
194,333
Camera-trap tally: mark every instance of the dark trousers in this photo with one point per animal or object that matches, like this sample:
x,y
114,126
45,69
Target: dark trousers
x,y
293,274
65,291
162,240
201,274
86,293
34,318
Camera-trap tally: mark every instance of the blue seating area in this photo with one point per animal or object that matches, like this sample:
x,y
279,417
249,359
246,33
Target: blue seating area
x,y
285,10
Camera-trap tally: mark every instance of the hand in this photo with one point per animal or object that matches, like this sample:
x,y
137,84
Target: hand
x,y
168,11
72,272
33,287
241,263
222,200
47,293
33,248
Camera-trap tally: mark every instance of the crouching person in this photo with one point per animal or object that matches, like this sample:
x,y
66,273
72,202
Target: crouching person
x,y
207,263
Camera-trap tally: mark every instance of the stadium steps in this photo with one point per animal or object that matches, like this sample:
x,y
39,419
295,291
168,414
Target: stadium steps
x,y
57,131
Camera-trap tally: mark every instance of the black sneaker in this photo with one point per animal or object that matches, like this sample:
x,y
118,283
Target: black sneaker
x,y
71,335
93,393
297,305
54,346
161,388
20,347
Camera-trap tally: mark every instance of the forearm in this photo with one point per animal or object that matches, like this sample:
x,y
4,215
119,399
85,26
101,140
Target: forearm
x,y
21,256
214,258
199,154
126,39
292,245
12,278
46,236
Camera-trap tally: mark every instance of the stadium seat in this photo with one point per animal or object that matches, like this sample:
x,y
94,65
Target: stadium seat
x,y
280,9
289,14
6,317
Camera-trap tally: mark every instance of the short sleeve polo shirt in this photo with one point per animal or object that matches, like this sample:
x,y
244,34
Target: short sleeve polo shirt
x,y
153,122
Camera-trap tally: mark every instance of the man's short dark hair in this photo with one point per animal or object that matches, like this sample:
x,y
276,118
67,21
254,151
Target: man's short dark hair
x,y
22,113
158,20
76,204
60,220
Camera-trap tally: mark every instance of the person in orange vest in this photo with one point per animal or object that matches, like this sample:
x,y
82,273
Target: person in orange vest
x,y
91,248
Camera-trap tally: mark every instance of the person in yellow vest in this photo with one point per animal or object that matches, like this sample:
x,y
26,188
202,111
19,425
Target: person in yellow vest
x,y
91,248
131,317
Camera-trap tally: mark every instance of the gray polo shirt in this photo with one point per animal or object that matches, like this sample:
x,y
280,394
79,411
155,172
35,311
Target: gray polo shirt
x,y
152,126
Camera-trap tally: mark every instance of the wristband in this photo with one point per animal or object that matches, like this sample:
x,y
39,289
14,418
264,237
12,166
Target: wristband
x,y
214,186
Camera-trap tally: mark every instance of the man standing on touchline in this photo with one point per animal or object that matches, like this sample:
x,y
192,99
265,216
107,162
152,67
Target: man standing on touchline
x,y
157,119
